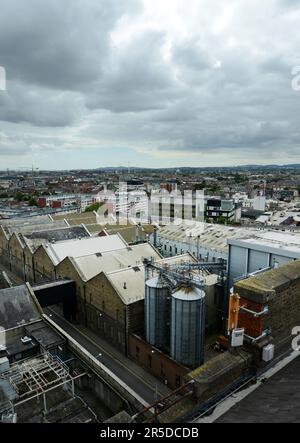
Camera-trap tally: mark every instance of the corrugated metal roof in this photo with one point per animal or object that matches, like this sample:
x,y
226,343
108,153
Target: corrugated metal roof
x,y
91,265
130,283
77,248
210,236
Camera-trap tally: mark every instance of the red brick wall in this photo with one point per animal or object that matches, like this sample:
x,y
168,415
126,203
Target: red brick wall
x,y
162,367
56,204
254,326
42,202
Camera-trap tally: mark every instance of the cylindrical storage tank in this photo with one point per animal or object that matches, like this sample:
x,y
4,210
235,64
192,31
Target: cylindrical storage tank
x,y
188,327
157,313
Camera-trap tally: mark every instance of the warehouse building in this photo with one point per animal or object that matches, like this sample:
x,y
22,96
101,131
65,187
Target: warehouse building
x,y
17,249
261,250
48,256
204,241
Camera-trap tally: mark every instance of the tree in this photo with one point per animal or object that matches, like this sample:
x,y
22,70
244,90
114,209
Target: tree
x,y
32,202
94,207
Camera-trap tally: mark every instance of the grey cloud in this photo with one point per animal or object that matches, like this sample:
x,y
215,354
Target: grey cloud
x,y
39,107
58,44
64,72
136,80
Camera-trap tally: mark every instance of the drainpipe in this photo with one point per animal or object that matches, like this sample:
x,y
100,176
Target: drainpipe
x,y
24,266
85,310
126,329
155,237
33,270
198,247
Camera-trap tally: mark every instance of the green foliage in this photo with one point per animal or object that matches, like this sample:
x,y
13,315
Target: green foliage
x,y
94,207
32,201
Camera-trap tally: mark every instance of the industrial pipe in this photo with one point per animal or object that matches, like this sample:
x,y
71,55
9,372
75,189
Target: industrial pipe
x,y
255,340
254,313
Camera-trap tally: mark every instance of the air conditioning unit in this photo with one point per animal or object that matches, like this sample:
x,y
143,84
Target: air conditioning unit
x,y
25,340
268,353
237,338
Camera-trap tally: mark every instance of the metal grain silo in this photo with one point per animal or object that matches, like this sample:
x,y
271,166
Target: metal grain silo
x,y
157,313
188,327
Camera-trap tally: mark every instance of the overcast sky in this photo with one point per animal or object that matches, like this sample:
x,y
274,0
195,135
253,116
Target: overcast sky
x,y
94,83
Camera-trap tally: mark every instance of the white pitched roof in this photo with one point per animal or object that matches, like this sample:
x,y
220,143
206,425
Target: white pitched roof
x,y
91,265
130,283
77,248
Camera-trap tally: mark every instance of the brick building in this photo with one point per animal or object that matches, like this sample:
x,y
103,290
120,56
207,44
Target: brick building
x,y
279,291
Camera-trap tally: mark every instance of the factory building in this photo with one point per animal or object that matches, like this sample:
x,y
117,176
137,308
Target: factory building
x,y
269,311
110,290
48,256
204,241
20,241
259,251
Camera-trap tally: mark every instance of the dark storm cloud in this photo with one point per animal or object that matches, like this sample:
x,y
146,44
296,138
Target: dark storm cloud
x,y
57,43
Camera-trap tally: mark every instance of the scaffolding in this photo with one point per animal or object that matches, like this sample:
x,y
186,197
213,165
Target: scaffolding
x,y
35,377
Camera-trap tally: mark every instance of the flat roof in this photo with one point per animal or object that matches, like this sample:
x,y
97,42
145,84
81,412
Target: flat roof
x,y
276,401
44,335
284,243
17,307
273,279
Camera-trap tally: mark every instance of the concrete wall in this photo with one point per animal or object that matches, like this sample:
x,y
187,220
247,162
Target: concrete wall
x,y
218,373
104,392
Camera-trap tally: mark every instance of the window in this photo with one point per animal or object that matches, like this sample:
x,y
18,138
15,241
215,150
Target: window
x,y
137,352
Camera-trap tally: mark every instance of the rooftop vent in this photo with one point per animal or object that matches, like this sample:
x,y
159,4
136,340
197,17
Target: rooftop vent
x,y
125,285
25,340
